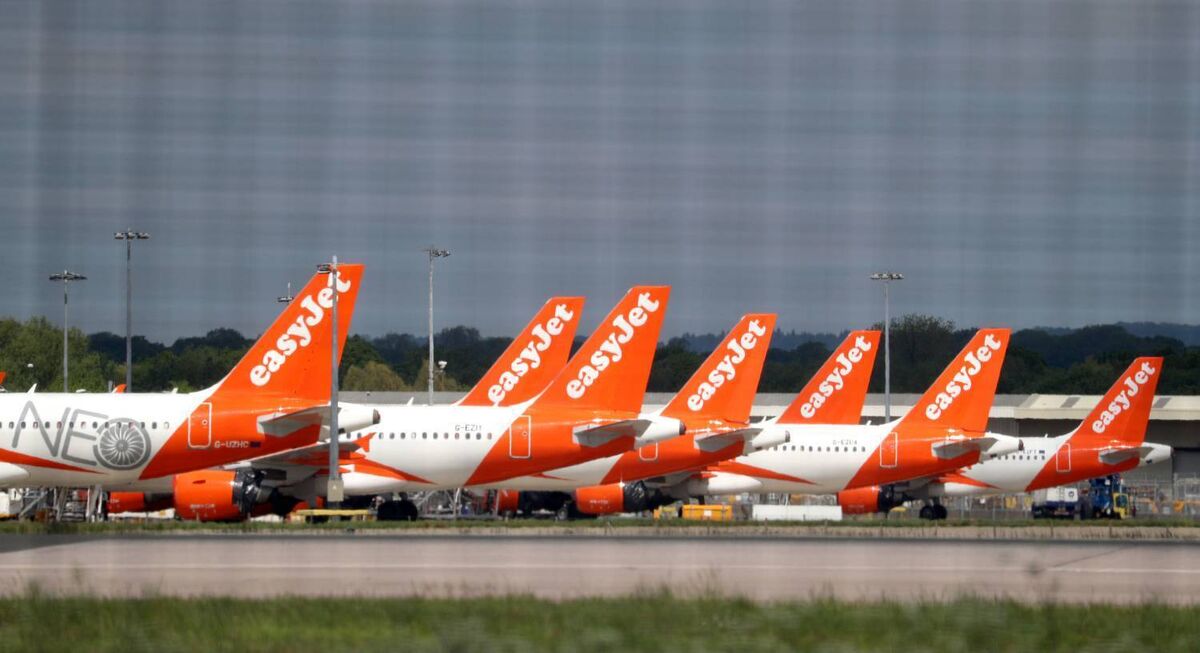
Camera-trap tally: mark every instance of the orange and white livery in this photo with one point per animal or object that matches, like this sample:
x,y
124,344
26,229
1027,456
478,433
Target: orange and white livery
x,y
592,409
1110,440
275,399
946,430
714,406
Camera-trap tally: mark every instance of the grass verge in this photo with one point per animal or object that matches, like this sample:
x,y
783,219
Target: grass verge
x,y
650,622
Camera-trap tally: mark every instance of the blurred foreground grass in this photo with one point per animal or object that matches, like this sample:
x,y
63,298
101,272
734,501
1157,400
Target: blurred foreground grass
x,y
648,622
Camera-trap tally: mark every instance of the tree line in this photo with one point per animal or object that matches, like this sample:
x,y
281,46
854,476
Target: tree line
x,y
1061,361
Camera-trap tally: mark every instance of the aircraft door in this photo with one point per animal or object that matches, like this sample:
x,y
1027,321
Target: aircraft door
x,y
889,450
520,438
1062,459
200,427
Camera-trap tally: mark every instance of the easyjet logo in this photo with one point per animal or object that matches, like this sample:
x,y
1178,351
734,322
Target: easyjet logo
x,y
612,347
1121,403
836,380
298,333
530,358
727,368
963,380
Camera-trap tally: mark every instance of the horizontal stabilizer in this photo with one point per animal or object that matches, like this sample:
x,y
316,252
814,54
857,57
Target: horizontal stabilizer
x,y
350,418
1118,455
645,429
988,445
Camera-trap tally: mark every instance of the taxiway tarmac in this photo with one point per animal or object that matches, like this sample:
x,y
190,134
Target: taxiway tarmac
x,y
566,567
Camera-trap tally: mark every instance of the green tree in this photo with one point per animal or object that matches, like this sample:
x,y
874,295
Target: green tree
x,y
374,376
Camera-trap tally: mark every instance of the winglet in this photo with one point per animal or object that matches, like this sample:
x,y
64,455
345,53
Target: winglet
x,y
533,359
836,393
1124,411
612,367
291,358
962,396
724,385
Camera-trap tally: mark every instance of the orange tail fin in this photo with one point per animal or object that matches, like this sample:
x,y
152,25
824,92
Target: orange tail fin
x,y
610,370
836,393
533,359
962,396
724,386
1124,411
291,358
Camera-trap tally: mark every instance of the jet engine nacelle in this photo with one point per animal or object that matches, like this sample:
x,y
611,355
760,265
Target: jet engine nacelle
x,y
508,501
119,502
723,483
867,500
217,495
617,498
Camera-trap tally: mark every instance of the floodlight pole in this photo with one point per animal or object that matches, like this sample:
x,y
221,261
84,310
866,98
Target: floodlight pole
x,y
334,490
433,253
66,277
129,236
887,278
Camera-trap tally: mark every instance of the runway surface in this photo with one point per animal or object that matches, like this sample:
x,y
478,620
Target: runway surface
x,y
565,567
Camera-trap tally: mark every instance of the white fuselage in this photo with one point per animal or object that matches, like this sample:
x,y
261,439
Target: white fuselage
x,y
818,459
57,439
436,447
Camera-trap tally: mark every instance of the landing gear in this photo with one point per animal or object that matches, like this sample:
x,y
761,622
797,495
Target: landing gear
x,y
402,510
933,512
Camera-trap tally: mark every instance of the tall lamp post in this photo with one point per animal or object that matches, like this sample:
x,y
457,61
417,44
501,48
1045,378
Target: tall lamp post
x,y
129,236
887,278
333,491
66,277
433,254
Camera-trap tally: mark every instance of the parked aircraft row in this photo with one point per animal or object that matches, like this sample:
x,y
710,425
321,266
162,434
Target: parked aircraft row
x,y
549,430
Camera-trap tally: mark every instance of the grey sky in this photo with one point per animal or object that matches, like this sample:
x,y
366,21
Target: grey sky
x,y
1024,163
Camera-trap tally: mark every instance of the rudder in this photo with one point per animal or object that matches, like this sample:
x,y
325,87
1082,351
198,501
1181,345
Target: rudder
x,y
533,359
725,384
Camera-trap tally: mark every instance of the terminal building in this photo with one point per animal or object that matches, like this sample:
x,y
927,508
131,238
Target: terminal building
x,y
1174,420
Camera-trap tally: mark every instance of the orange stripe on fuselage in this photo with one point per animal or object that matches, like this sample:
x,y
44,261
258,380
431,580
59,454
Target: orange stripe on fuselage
x,y
735,467
24,459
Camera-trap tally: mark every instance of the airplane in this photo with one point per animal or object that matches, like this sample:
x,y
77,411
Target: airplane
x,y
714,406
275,399
591,409
1110,440
519,374
945,431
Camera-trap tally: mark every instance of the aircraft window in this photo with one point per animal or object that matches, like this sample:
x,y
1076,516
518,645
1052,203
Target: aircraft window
x,y
22,424
153,425
489,436
479,436
143,424
424,435
166,425
60,425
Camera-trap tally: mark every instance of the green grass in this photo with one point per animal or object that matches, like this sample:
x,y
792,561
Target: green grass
x,y
649,622
170,526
